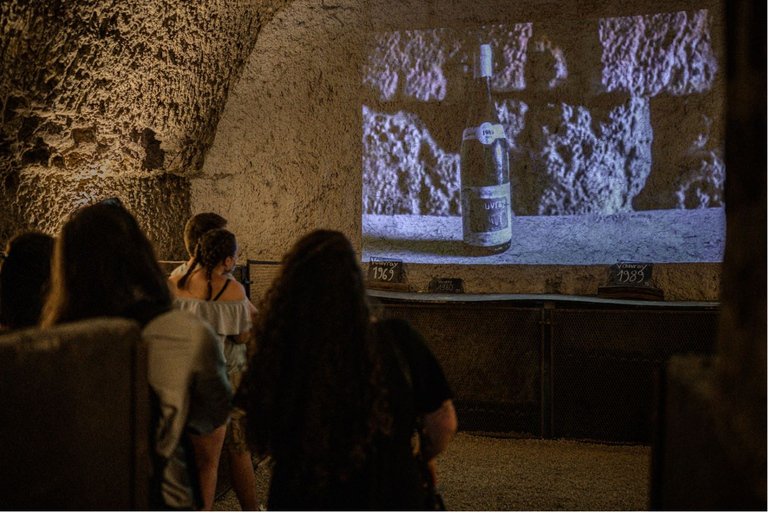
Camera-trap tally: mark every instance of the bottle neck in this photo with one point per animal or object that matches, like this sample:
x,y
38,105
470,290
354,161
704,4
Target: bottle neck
x,y
481,107
481,88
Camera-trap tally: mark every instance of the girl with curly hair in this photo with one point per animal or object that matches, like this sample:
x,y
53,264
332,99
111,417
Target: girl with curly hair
x,y
208,290
338,394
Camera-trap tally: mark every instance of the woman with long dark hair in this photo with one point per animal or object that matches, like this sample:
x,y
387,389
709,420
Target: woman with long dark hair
x,y
24,277
104,265
338,395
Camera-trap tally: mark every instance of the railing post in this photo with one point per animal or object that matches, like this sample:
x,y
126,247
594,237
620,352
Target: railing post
x,y
546,369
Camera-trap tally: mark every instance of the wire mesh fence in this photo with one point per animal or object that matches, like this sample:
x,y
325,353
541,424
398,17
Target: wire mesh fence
x,y
491,356
542,370
557,373
605,364
262,273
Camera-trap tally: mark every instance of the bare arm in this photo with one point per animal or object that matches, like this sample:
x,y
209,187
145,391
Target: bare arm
x,y
439,428
245,336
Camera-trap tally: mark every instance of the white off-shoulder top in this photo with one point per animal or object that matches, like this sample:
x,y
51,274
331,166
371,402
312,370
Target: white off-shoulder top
x,y
227,319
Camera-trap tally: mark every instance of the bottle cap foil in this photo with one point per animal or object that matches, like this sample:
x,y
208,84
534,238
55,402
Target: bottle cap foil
x,y
483,61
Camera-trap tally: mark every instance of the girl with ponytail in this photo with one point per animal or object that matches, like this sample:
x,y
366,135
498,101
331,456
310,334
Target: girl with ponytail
x,y
209,291
216,247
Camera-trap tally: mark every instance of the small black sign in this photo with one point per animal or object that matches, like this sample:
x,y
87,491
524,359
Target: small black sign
x,y
631,274
386,271
446,285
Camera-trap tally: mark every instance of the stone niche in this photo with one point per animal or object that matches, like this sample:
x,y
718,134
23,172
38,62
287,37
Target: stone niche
x,y
351,110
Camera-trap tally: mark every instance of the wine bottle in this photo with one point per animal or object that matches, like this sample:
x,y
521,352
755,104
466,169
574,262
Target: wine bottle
x,y
486,196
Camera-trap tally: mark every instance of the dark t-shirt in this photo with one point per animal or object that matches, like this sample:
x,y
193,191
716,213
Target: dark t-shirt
x,y
390,479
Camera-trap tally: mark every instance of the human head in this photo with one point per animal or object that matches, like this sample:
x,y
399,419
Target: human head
x,y
215,247
322,266
24,279
321,281
199,224
316,376
103,265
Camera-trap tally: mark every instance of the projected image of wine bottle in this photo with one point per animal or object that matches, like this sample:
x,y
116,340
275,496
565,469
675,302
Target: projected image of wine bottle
x,y
486,199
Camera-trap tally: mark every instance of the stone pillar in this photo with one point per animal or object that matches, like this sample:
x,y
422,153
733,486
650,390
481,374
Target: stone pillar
x,y
104,98
711,449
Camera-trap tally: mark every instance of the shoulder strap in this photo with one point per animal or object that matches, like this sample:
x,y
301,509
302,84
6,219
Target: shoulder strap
x,y
221,291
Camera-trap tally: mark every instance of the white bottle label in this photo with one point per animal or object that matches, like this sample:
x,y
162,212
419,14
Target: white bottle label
x,y
486,133
487,215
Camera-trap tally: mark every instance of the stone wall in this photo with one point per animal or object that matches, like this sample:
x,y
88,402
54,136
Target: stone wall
x,y
327,83
104,98
180,108
590,106
712,453
286,157
742,336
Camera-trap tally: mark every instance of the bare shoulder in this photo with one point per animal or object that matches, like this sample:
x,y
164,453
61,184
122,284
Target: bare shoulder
x,y
194,286
173,284
235,292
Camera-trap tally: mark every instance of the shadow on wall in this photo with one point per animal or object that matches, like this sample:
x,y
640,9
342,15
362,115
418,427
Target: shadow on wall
x,y
603,116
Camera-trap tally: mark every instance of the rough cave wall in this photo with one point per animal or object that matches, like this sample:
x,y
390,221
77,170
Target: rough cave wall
x,y
103,98
286,158
742,333
99,99
312,100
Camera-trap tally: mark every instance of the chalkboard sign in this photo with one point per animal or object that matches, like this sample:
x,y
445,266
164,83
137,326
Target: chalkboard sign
x,y
385,271
446,285
631,274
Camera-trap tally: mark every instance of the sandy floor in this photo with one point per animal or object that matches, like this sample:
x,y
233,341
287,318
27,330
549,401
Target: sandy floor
x,y
484,473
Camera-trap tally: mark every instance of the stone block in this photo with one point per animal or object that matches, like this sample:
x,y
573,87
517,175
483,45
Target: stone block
x,y
431,65
160,202
699,460
660,53
405,170
580,160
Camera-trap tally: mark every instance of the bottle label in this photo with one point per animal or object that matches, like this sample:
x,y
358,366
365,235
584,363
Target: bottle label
x,y
487,213
486,133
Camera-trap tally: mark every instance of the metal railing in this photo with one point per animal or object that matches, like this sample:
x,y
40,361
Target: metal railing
x,y
544,366
552,370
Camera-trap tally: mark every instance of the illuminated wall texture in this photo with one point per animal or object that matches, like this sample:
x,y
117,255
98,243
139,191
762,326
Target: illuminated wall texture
x,y
254,109
603,116
298,137
105,98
